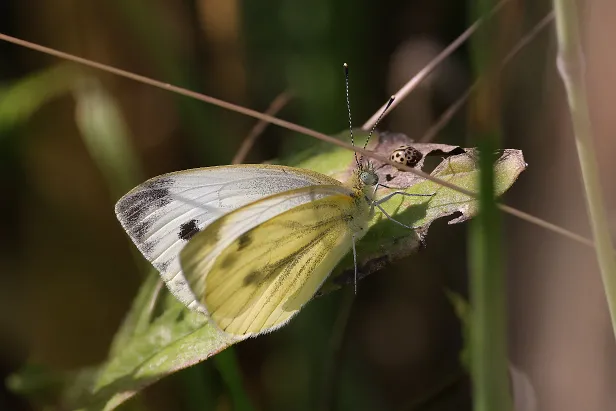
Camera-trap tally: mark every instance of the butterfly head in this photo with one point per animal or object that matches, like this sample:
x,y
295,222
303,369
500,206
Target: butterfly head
x,y
368,177
366,180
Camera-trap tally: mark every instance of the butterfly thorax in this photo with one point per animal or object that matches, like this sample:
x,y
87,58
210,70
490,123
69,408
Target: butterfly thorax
x,y
363,183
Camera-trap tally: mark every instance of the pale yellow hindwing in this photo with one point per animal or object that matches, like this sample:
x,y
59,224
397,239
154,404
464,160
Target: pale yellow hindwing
x,y
266,274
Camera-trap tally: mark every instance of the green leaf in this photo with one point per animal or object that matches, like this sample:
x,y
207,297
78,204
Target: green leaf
x,y
140,315
387,241
160,336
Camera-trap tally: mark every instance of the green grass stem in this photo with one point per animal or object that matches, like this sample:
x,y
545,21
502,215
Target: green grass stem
x,y
488,351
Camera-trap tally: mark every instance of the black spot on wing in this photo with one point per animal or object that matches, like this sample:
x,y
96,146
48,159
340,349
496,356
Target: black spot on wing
x,y
188,230
229,260
252,278
244,241
134,208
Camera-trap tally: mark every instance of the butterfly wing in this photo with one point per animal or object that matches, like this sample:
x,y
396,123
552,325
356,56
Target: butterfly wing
x,y
162,214
254,278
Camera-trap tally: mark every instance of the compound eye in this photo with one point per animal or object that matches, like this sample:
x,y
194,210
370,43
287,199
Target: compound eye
x,y
368,178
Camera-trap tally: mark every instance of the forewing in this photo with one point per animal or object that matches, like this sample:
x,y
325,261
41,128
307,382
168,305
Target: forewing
x,y
162,214
264,275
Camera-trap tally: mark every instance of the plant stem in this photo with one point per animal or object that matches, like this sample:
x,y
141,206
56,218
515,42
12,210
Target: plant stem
x,y
487,290
570,63
488,335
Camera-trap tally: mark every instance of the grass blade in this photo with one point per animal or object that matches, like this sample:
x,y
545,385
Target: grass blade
x,y
571,66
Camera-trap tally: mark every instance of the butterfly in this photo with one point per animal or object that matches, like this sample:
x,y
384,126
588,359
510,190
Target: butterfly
x,y
249,245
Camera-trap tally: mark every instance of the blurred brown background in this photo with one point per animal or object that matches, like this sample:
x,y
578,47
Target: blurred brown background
x,y
68,272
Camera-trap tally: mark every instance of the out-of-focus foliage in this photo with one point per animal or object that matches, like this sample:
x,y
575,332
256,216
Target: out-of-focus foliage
x,y
21,99
106,136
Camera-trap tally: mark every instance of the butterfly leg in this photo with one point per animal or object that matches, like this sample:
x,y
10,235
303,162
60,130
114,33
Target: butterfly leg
x,y
402,193
391,218
355,262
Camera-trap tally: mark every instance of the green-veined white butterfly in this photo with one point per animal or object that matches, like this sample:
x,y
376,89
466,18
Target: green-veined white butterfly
x,y
249,245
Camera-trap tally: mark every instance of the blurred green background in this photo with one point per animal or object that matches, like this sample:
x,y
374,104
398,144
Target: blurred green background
x,y
68,272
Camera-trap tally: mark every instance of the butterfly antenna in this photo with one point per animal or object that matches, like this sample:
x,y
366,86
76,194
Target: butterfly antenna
x,y
346,83
391,100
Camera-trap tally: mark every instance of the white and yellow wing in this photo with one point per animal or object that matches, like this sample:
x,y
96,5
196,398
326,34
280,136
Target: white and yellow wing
x,y
253,278
162,214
